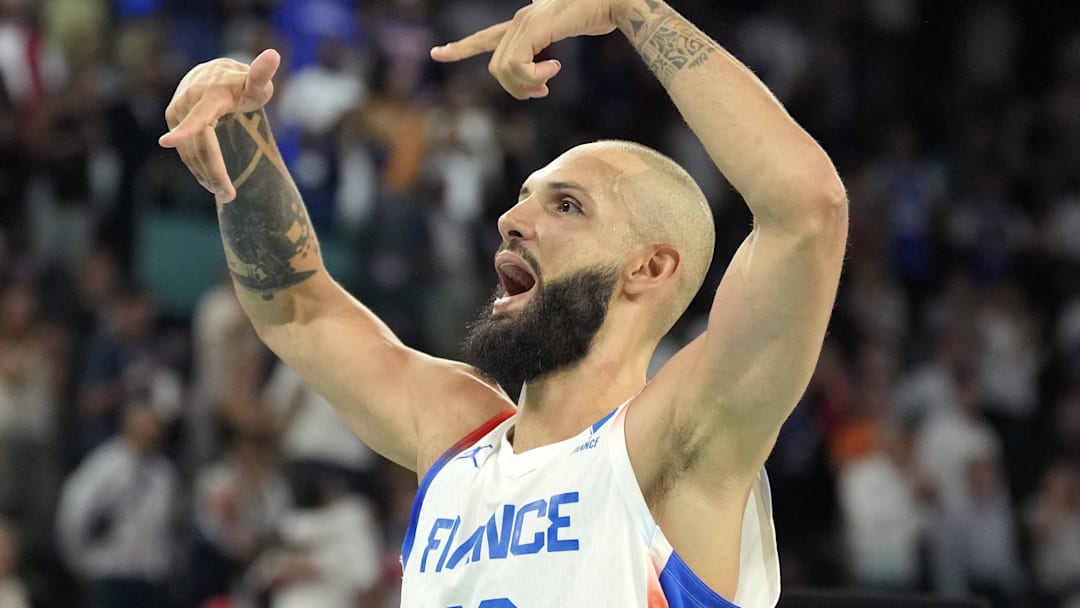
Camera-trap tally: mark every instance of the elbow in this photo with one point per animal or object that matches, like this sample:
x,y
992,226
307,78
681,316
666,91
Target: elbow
x,y
827,208
813,206
831,193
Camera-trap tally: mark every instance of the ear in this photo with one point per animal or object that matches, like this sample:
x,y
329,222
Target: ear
x,y
652,271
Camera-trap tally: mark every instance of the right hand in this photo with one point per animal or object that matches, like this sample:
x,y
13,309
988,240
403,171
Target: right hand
x,y
515,44
207,93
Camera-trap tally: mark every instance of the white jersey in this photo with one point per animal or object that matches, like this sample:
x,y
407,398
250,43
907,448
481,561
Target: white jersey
x,y
562,525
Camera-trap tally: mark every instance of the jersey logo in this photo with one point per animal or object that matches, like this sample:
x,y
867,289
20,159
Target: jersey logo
x,y
588,445
594,439
471,454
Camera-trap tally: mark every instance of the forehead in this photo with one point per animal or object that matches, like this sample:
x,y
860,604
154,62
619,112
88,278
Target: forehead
x,y
606,174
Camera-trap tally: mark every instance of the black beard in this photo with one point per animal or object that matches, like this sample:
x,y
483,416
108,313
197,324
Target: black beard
x,y
552,332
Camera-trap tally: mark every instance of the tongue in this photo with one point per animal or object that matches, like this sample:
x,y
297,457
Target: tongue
x,y
518,280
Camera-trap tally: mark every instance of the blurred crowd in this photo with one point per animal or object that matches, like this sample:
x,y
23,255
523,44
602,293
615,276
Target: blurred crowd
x,y
149,459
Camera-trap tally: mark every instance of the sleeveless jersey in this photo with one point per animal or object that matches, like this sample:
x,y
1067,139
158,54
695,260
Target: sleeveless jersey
x,y
563,525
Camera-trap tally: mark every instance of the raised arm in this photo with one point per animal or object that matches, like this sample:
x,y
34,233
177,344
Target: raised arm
x,y
771,310
406,405
729,390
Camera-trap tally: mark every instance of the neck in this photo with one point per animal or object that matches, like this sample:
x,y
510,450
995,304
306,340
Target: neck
x,y
562,404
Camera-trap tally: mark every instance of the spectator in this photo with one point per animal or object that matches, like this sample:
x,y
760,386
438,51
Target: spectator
x,y
77,26
66,138
32,373
119,363
910,190
117,514
1053,521
304,25
329,555
854,428
313,437
975,549
32,68
238,503
464,161
1008,360
928,389
883,514
947,442
312,105
220,335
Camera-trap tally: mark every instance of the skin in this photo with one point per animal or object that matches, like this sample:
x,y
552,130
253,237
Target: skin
x,y
698,434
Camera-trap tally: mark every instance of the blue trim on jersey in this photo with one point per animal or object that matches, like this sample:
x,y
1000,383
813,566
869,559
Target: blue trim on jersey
x,y
418,501
600,423
683,588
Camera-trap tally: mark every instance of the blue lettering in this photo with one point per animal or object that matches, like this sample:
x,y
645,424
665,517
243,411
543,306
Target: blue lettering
x,y
473,543
539,506
588,445
446,547
560,521
504,534
499,543
433,542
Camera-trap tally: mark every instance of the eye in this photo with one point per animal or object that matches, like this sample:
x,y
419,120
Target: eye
x,y
568,205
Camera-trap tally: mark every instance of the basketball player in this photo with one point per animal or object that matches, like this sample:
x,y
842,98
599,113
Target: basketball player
x,y
596,489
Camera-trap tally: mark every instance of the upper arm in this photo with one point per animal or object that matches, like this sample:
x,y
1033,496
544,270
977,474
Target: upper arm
x,y
407,406
727,393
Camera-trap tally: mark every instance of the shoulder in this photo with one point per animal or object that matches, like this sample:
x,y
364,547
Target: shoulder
x,y
465,405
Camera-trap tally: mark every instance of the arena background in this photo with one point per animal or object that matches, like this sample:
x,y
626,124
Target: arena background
x,y
936,453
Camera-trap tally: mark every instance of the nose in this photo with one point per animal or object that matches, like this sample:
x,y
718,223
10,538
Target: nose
x,y
517,222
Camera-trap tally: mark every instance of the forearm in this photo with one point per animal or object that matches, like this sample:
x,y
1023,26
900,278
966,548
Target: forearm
x,y
270,246
777,167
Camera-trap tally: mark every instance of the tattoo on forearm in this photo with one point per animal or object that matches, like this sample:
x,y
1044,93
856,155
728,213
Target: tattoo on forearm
x,y
667,42
265,228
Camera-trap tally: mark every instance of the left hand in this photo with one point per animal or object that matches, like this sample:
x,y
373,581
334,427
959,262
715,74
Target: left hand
x,y
514,44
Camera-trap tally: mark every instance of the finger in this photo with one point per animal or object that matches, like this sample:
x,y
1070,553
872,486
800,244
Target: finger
x,y
497,64
213,164
484,41
263,68
187,153
205,113
535,74
259,85
512,62
193,158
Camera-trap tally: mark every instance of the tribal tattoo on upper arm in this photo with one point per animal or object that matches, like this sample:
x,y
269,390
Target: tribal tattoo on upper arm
x,y
667,42
266,227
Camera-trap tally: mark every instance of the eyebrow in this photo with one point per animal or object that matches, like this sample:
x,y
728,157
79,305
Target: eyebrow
x,y
555,186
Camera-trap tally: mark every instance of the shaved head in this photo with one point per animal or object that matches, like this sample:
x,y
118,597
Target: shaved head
x,y
666,206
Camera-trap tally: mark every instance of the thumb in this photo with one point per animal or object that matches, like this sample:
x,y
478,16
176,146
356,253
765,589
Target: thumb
x,y
259,86
263,68
546,70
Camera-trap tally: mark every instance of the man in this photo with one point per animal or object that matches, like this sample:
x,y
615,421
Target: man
x,y
116,513
556,502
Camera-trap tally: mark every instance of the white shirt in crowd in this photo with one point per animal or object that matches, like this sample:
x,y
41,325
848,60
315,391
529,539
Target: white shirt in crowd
x,y
883,522
341,540
314,431
944,447
116,514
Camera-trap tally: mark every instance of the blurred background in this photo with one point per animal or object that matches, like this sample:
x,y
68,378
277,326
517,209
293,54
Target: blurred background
x,y
153,453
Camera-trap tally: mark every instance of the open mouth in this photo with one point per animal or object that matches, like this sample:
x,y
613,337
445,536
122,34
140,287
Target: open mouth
x,y
516,278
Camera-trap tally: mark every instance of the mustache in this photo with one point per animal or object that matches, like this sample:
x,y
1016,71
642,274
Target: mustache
x,y
514,246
